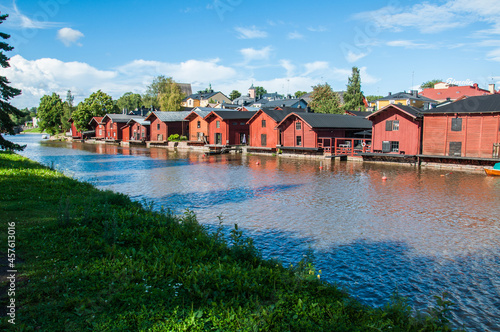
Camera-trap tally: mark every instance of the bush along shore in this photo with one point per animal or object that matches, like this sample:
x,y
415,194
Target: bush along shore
x,y
88,259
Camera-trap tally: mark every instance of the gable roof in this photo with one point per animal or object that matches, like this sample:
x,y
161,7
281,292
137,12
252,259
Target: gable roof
x,y
230,115
410,110
322,120
474,105
142,122
363,114
284,102
204,111
97,119
276,114
120,118
405,95
169,116
454,92
203,95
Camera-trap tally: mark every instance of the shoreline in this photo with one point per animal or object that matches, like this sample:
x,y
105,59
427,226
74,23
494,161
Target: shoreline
x,y
116,264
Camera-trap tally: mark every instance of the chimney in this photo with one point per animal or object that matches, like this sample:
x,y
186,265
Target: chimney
x,y
491,88
390,93
415,93
476,86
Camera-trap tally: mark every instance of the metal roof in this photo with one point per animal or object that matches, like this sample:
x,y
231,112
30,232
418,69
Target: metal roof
x,y
410,110
233,115
405,95
121,118
170,116
142,122
477,104
322,120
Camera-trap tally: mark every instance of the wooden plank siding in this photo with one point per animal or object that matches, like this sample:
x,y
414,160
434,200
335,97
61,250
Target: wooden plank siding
x,y
477,135
160,131
197,127
407,134
256,130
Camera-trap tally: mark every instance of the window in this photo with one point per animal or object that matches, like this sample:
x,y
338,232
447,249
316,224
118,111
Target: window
x,y
263,140
198,124
455,149
392,125
390,146
456,124
100,132
298,126
242,123
299,140
235,123
263,123
157,126
217,124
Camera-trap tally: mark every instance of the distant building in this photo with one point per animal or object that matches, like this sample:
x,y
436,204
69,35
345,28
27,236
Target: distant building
x,y
202,98
443,92
411,98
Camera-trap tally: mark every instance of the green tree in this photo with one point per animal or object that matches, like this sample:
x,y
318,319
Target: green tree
x,y
50,112
353,97
68,109
97,104
23,118
260,91
234,94
299,94
325,100
129,101
170,96
430,84
6,93
371,98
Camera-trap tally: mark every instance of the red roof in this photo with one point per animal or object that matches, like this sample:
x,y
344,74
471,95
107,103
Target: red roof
x,y
454,92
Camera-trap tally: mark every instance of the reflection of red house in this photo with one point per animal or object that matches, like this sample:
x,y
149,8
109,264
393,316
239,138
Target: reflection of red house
x,y
302,131
164,124
228,127
136,130
114,123
396,129
263,131
465,128
98,127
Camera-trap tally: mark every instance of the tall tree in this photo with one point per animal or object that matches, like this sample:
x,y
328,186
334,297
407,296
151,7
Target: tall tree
x,y
430,84
260,91
50,113
97,104
129,101
234,94
6,93
325,100
353,97
68,109
299,94
170,96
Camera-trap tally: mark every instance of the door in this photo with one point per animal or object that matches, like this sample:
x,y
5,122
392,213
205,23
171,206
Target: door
x,y
218,138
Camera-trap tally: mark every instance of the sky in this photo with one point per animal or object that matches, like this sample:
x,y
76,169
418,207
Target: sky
x,y
121,46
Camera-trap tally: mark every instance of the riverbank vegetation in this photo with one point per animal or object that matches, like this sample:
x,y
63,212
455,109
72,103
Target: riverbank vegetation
x,y
94,260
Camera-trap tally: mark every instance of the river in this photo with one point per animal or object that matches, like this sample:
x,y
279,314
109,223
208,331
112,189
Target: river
x,y
421,232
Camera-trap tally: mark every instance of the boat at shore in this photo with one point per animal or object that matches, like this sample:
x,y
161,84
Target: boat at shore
x,y
492,171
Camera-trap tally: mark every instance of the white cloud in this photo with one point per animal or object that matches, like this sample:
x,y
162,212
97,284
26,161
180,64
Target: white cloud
x,y
69,36
289,67
18,20
317,29
494,55
409,44
295,35
353,57
317,66
251,54
250,33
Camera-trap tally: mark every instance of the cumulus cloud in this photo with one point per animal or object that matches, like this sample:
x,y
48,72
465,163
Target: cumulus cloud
x,y
69,36
250,33
289,67
251,54
295,35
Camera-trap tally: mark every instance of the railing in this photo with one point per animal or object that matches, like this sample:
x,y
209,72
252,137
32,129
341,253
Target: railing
x,y
344,146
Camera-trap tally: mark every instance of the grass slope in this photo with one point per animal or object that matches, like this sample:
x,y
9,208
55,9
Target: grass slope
x,y
94,260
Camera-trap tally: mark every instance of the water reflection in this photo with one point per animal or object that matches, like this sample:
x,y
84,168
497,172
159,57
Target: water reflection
x,y
421,231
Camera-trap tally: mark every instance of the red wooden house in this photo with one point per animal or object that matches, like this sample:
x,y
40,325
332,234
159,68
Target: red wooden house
x,y
466,128
228,127
307,131
136,130
198,126
74,133
263,131
114,123
164,124
396,129
98,126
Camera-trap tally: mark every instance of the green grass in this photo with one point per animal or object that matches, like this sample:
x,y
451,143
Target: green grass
x,y
33,130
94,260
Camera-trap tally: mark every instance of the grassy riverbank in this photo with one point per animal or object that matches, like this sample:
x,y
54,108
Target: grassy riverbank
x,y
94,260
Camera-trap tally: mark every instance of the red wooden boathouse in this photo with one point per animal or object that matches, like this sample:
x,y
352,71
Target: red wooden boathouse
x,y
228,127
396,129
164,124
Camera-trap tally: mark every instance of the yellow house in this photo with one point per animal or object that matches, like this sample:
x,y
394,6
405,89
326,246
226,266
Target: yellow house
x,y
408,99
201,99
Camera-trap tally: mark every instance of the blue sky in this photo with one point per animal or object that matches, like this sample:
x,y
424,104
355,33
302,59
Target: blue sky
x,y
120,46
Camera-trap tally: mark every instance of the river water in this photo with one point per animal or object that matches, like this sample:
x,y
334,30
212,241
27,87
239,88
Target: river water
x,y
421,232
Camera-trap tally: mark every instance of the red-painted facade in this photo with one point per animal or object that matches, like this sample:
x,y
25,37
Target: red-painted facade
x,y
98,127
198,127
160,131
138,132
396,129
461,135
74,133
113,130
263,131
228,131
